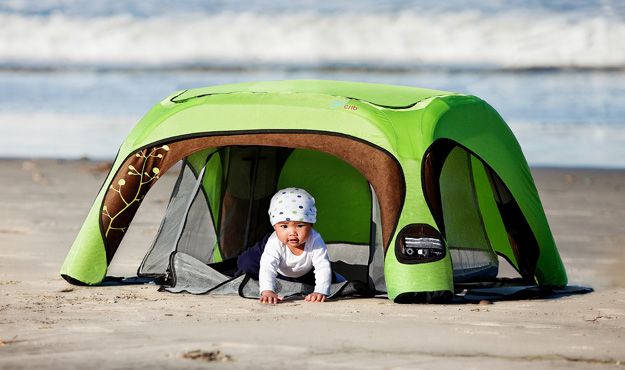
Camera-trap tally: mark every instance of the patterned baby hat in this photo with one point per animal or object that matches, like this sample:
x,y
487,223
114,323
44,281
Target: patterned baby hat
x,y
292,204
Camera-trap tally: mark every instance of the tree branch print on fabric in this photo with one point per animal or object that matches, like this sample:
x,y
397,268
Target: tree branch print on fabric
x,y
131,189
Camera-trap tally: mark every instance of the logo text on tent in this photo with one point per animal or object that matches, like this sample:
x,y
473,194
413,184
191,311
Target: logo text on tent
x,y
350,107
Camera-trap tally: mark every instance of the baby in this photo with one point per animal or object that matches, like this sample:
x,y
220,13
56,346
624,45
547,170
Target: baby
x,y
294,251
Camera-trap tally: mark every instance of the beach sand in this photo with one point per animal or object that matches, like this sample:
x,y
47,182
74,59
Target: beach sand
x,y
47,323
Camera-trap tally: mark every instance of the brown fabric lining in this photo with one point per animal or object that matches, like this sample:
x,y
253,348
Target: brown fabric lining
x,y
128,188
379,168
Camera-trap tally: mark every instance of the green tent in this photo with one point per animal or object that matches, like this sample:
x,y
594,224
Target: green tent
x,y
416,189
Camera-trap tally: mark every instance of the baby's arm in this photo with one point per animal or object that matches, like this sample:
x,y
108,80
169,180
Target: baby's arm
x,y
269,262
323,274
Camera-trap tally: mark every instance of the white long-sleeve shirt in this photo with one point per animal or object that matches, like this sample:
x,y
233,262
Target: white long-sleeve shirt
x,y
278,258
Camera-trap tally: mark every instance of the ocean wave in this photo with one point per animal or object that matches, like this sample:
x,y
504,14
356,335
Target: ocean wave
x,y
394,40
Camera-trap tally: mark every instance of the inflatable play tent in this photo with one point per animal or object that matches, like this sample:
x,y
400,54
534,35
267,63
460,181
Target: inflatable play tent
x,y
416,189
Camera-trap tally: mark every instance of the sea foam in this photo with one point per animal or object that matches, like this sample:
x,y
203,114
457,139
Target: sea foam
x,y
406,39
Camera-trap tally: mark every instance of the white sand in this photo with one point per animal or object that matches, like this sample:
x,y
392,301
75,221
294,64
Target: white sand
x,y
47,323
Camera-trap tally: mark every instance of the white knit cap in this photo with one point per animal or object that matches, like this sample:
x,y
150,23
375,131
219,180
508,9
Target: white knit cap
x,y
292,204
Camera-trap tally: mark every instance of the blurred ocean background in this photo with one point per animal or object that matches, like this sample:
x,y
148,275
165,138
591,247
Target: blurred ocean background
x,y
75,76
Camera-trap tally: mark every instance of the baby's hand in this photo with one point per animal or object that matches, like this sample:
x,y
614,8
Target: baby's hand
x,y
315,297
269,297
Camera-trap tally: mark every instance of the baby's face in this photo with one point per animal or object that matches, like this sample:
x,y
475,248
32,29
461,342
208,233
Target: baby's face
x,y
292,233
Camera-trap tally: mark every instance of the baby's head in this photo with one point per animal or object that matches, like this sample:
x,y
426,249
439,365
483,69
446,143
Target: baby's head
x,y
292,212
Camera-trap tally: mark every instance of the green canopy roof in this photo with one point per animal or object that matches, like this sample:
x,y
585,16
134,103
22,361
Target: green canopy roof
x,y
378,94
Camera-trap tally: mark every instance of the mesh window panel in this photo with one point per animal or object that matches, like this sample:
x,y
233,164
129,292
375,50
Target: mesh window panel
x,y
198,237
349,260
156,260
376,263
472,255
